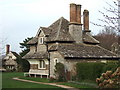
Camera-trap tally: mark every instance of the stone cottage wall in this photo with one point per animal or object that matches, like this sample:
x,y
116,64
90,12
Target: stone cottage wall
x,y
70,64
53,57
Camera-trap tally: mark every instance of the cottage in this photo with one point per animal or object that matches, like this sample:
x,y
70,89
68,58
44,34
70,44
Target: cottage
x,y
10,60
66,42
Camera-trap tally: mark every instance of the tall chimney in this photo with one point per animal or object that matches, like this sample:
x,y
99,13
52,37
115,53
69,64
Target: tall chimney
x,y
73,13
75,26
79,14
7,49
86,20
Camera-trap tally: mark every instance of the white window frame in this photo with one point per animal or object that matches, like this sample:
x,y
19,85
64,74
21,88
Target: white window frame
x,y
41,40
42,64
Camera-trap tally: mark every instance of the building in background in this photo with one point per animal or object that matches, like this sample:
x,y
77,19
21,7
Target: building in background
x,y
10,61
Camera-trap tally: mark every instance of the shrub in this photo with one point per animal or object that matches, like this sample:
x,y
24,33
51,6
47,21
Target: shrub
x,y
60,72
89,71
109,79
52,79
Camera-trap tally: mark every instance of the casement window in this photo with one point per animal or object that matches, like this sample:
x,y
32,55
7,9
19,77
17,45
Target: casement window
x,y
41,40
42,64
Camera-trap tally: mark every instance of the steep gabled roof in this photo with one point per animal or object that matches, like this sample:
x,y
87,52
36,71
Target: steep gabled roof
x,y
34,40
59,31
15,54
82,51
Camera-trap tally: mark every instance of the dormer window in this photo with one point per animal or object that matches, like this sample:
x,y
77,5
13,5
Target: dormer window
x,y
41,40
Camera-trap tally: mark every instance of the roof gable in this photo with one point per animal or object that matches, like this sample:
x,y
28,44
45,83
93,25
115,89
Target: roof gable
x,y
60,31
13,54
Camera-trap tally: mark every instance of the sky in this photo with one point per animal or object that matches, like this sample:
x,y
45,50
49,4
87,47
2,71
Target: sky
x,y
20,19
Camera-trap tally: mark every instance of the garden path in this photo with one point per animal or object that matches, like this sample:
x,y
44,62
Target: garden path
x,y
54,84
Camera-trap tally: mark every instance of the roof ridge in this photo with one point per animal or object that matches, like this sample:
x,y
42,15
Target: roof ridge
x,y
59,28
107,50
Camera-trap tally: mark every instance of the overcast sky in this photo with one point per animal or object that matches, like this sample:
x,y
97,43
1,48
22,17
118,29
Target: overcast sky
x,y
20,19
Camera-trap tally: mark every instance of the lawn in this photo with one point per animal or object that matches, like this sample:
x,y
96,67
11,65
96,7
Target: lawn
x,y
38,79
0,80
8,82
83,85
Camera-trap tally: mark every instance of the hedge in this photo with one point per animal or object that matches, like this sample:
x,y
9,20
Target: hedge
x,y
90,71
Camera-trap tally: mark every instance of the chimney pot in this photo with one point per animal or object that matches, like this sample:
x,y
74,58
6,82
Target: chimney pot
x,y
86,20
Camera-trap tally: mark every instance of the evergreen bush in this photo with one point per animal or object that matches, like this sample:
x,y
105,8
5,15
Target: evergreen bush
x,y
60,72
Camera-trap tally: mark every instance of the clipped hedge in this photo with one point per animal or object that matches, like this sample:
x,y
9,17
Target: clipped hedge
x,y
90,71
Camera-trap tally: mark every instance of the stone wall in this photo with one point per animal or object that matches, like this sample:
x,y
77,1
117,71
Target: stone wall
x,y
53,57
75,31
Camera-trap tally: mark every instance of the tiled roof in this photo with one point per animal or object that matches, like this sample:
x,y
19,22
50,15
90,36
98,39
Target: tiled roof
x,y
59,31
15,54
82,51
33,41
87,38
36,55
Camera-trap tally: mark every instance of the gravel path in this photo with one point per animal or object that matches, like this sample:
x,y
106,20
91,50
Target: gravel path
x,y
54,84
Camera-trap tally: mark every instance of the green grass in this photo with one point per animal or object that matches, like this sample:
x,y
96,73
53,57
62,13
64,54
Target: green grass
x,y
83,84
8,82
38,79
75,85
86,84
0,80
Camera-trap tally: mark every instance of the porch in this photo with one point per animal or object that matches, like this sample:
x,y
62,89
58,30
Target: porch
x,y
35,73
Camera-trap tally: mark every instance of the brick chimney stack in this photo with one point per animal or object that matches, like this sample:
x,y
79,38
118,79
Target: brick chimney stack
x,y
79,14
7,49
86,20
75,13
75,26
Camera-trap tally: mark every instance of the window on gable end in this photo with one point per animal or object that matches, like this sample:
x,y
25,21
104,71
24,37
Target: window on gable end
x,y
41,40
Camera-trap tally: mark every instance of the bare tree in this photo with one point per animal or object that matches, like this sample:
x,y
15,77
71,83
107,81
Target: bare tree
x,y
111,18
2,46
107,37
